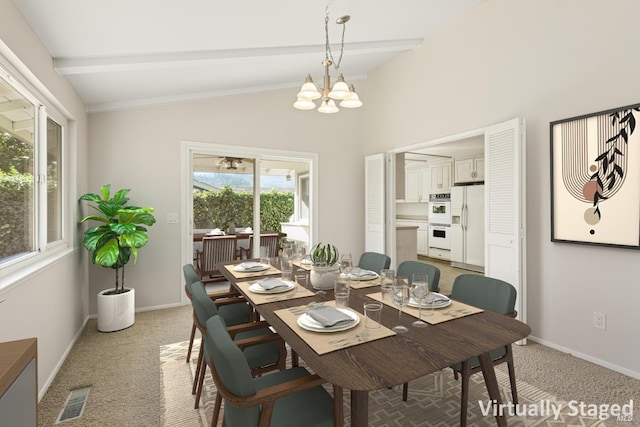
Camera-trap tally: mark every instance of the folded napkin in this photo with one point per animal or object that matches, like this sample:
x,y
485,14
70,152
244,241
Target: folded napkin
x,y
329,316
359,273
251,265
270,284
436,298
215,232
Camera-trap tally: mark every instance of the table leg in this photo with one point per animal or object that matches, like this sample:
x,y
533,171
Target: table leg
x,y
359,408
492,386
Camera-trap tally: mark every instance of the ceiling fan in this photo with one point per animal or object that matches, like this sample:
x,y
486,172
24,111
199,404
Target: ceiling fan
x,y
230,163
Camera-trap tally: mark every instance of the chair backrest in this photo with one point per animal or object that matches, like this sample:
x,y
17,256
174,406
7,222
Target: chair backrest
x,y
270,240
407,268
374,261
203,305
214,250
484,292
230,371
190,274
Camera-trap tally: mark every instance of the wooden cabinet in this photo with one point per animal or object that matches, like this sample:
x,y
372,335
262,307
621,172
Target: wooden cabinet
x,y
417,183
440,177
422,234
469,170
19,383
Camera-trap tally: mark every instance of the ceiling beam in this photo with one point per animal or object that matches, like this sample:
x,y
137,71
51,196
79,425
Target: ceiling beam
x,y
92,65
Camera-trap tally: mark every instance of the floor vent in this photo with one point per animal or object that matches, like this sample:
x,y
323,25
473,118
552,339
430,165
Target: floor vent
x,y
75,404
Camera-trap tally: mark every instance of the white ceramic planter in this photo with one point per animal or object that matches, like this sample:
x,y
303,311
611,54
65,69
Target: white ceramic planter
x,y
324,277
116,312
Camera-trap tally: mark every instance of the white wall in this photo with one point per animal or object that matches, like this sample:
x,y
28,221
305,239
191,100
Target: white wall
x,y
52,303
542,60
140,149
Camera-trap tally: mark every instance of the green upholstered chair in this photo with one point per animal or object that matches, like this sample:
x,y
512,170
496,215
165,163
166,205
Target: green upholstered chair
x,y
291,397
190,277
267,352
492,295
408,268
374,261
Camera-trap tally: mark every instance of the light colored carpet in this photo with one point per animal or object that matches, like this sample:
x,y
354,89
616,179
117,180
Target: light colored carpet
x,y
123,369
433,400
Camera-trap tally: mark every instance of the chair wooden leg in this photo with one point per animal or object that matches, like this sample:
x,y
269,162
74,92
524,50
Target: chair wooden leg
x,y
405,391
198,367
295,360
338,410
216,410
465,393
512,375
200,381
193,335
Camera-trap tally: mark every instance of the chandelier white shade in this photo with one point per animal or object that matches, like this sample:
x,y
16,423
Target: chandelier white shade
x,y
340,91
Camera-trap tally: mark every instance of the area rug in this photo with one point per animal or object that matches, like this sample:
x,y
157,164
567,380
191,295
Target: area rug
x,y
434,400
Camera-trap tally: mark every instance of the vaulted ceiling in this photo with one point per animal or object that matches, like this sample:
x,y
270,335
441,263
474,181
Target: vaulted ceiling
x,y
122,53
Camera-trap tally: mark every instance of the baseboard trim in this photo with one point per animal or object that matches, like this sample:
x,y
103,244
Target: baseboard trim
x,y
587,357
47,383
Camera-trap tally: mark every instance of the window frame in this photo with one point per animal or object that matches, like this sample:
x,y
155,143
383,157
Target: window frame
x,y
44,253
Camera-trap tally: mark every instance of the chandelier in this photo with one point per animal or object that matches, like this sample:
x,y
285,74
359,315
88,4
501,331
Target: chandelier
x,y
340,91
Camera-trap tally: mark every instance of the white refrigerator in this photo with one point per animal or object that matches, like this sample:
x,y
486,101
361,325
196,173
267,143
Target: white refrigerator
x,y
467,227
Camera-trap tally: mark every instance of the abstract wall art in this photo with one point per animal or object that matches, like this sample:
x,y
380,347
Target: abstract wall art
x,y
595,179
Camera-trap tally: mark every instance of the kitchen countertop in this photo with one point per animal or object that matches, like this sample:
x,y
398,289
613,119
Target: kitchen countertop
x,y
411,218
406,227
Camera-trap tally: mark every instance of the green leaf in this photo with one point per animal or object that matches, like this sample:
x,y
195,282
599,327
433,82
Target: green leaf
x,y
121,229
92,197
94,218
108,254
136,239
105,191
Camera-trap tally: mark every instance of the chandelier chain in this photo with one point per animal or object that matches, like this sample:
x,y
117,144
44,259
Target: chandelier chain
x,y
328,53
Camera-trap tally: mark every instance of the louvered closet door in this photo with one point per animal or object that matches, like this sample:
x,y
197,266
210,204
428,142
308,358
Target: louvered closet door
x,y
505,207
374,203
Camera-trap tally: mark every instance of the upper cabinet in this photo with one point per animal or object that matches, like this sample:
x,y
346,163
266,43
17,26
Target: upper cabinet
x,y
469,170
417,183
440,177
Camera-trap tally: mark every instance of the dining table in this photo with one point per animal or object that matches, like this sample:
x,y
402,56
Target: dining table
x,y
390,359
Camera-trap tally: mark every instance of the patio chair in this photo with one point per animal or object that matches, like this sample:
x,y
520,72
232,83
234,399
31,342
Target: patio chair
x,y
215,249
270,240
284,398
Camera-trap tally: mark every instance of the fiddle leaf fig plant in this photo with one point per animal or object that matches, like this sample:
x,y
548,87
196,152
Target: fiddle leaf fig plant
x,y
120,231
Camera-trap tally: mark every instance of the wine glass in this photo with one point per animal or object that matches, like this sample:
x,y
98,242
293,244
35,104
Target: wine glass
x,y
346,264
400,299
419,291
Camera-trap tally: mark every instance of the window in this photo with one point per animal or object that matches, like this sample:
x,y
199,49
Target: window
x,y
31,174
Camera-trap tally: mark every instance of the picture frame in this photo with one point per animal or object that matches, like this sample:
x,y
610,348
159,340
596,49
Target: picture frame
x,y
595,178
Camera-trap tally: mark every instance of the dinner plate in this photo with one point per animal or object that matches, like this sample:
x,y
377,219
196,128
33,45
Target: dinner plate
x,y
438,304
306,322
373,275
242,269
256,288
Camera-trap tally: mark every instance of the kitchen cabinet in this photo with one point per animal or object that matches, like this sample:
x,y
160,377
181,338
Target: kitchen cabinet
x,y
19,383
422,234
468,170
440,177
417,183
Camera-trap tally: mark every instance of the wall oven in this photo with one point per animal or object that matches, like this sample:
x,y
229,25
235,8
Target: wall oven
x,y
439,236
440,209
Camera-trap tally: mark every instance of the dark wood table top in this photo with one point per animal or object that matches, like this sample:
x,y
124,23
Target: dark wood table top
x,y
401,358
374,365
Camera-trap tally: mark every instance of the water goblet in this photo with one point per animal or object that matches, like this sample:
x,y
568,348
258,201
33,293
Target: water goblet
x,y
419,291
400,299
346,264
301,279
387,277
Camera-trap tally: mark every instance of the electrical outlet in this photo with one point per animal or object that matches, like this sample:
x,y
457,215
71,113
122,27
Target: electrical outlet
x,y
599,320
